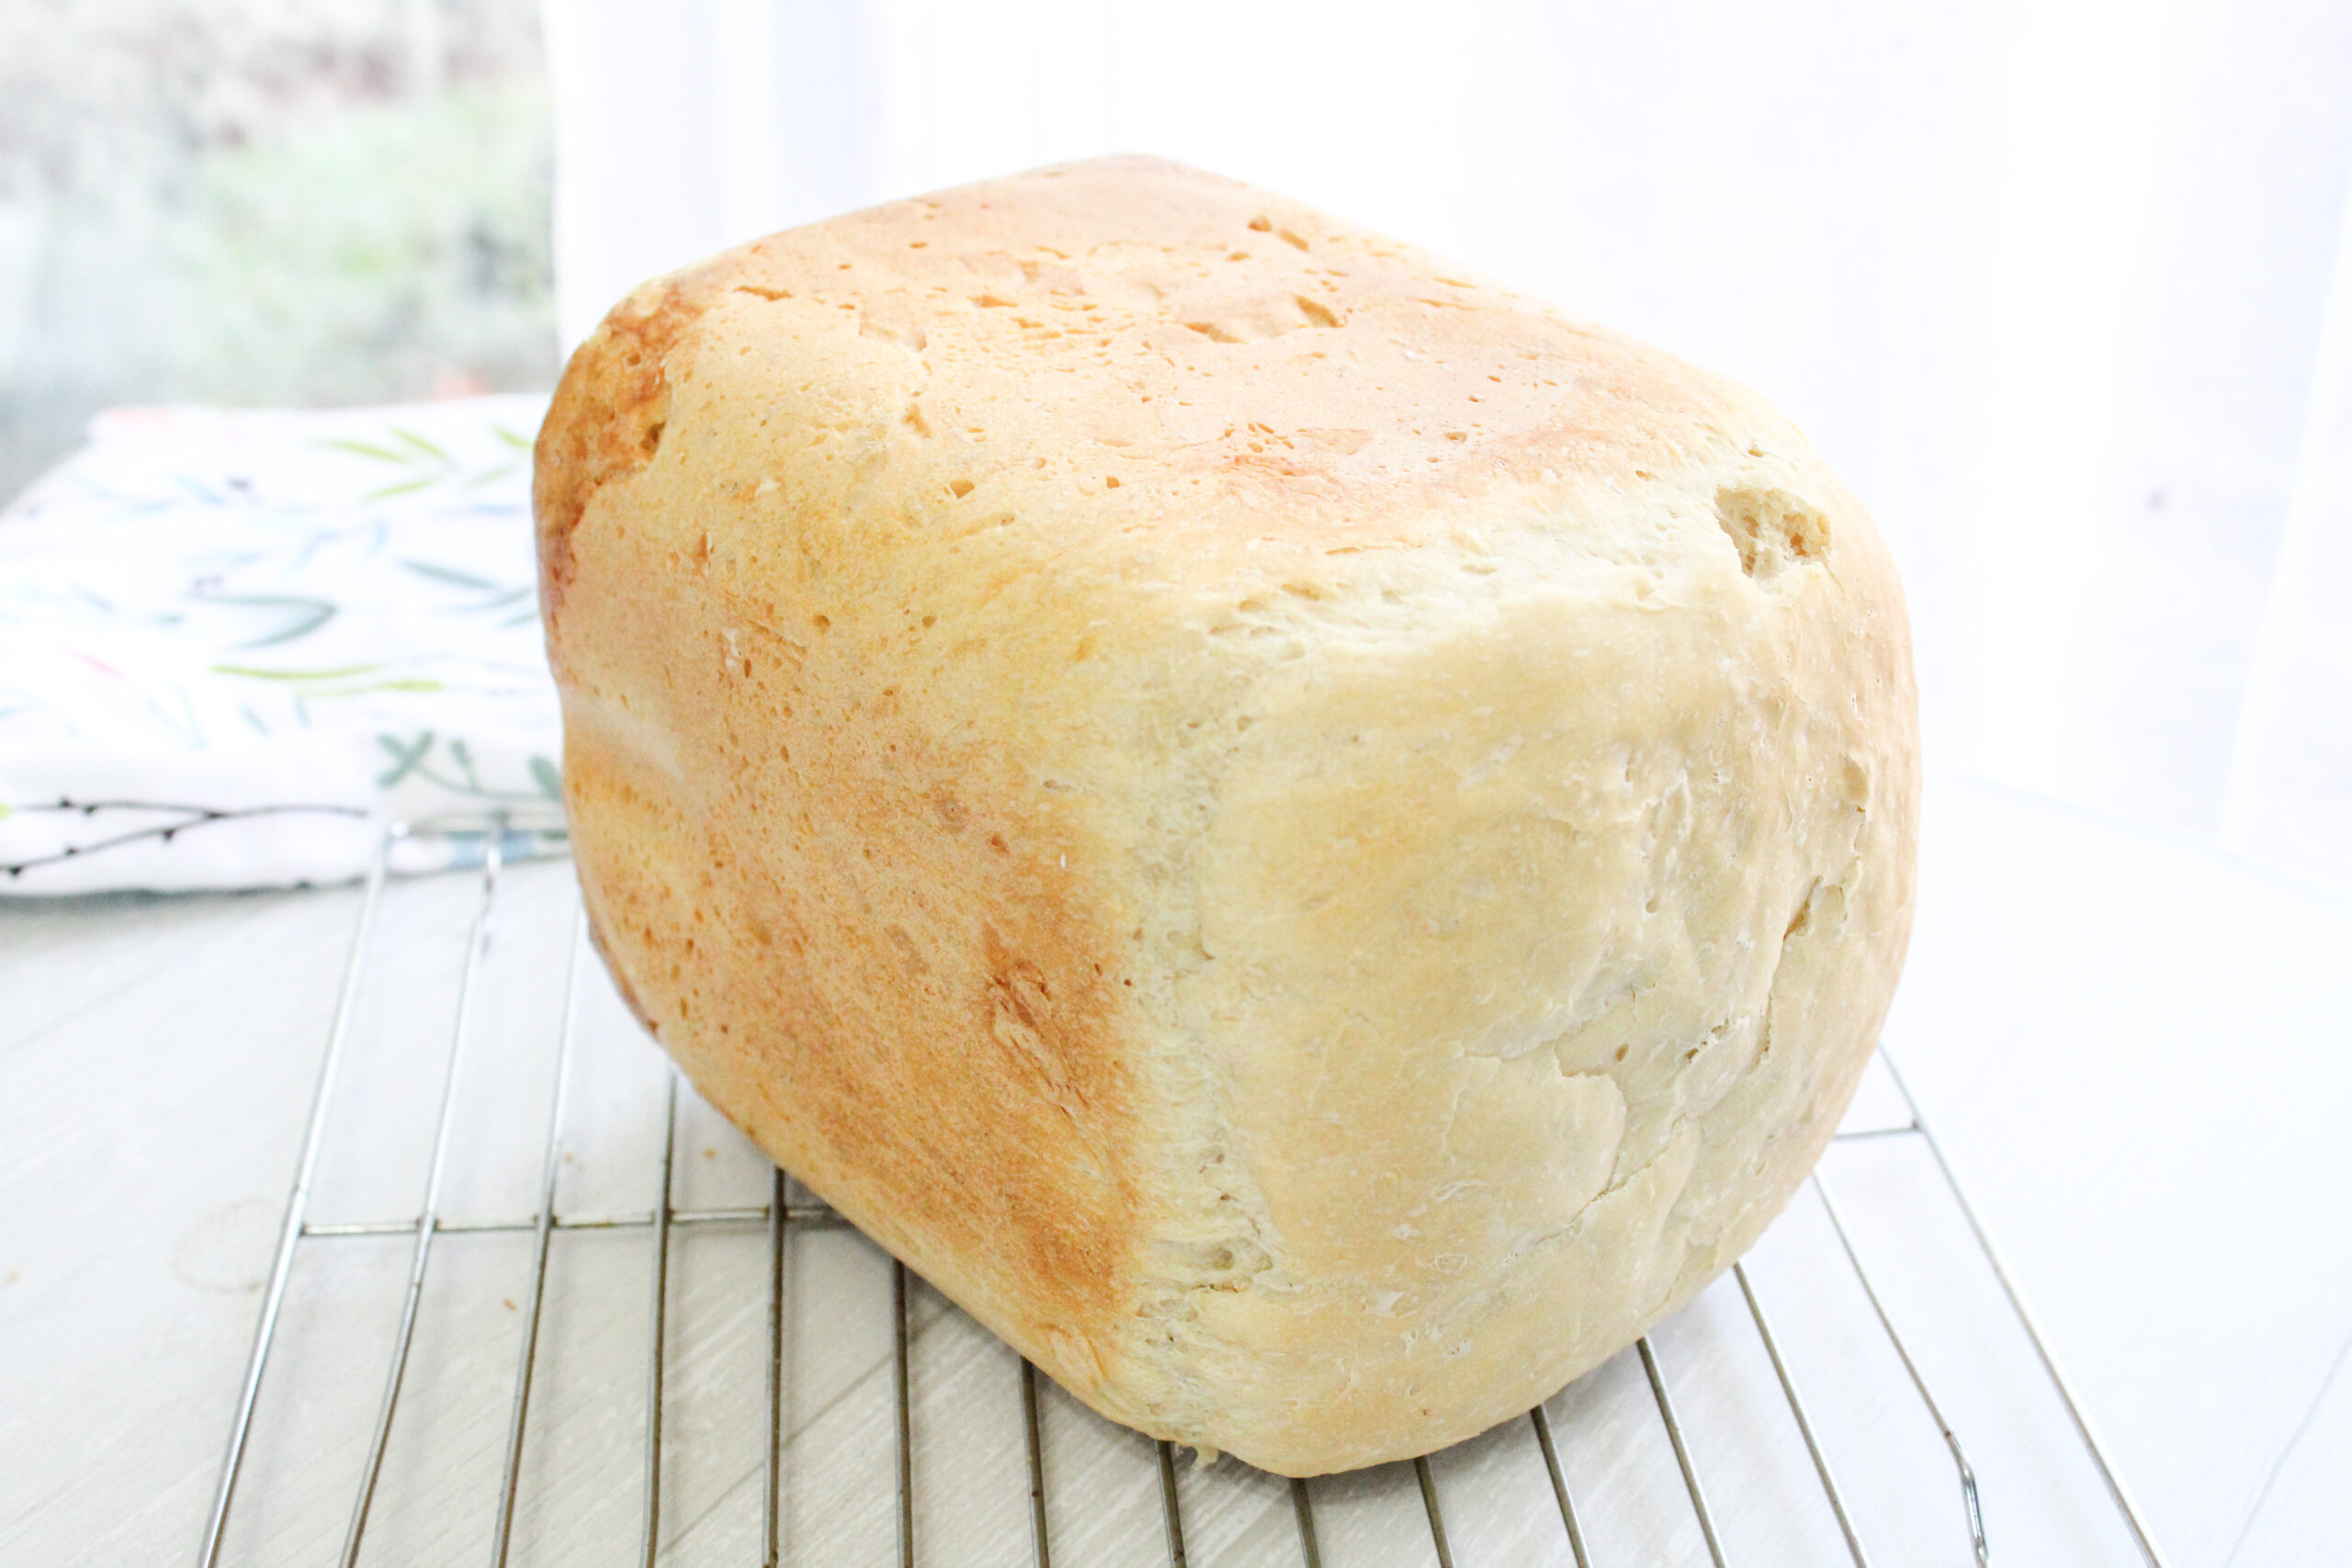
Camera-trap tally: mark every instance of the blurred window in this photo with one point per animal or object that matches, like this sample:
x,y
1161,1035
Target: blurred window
x,y
266,202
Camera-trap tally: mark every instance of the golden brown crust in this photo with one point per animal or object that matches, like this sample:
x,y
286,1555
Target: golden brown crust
x,y
1316,841
965,967
606,418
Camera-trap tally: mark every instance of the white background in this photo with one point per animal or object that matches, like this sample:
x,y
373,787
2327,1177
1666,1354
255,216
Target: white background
x,y
2060,286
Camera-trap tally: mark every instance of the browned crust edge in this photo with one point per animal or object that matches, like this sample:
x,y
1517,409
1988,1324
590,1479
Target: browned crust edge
x,y
606,419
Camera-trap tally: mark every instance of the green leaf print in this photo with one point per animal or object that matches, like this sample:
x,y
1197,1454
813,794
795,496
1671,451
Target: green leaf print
x,y
422,444
406,756
405,486
367,449
449,574
306,614
341,672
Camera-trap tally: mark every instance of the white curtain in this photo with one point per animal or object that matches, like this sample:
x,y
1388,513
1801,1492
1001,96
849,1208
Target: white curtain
x,y
2063,287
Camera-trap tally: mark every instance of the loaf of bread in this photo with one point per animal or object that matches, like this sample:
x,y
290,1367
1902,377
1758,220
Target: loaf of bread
x,y
1316,841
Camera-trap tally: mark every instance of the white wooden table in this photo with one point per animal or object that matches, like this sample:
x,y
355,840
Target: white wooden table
x,y
2138,1052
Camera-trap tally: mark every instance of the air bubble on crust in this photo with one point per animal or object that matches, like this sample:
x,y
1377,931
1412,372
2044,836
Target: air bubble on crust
x,y
1316,311
1772,530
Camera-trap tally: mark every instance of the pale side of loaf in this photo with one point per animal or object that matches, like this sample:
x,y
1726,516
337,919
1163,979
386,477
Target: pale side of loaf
x,y
1316,841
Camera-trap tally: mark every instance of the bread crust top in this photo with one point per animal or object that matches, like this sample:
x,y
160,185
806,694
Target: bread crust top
x,y
1197,362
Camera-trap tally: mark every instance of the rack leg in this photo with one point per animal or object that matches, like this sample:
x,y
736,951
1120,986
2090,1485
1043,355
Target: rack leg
x,y
551,1162
650,1547
429,1215
298,1202
1682,1452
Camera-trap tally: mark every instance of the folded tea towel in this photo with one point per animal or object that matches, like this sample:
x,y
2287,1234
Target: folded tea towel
x,y
236,645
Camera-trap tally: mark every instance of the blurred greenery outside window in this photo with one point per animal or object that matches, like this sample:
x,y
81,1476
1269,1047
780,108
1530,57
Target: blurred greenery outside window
x,y
266,202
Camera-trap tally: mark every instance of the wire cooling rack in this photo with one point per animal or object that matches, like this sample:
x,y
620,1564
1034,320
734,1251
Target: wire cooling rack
x,y
833,1409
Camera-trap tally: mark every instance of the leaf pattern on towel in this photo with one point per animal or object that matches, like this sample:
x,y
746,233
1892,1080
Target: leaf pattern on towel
x,y
200,583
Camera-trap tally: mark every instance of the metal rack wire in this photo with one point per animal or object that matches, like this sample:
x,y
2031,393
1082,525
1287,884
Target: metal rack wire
x,y
780,1218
